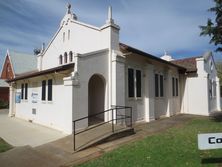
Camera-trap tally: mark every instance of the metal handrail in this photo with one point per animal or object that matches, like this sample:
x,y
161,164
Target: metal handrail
x,y
116,108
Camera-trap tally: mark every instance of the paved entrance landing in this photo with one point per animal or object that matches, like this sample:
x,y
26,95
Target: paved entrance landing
x,y
20,132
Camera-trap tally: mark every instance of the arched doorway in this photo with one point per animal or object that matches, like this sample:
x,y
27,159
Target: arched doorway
x,y
96,98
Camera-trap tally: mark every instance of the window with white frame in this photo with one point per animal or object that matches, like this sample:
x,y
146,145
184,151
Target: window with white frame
x,y
134,83
50,90
175,86
64,36
24,91
70,56
65,57
47,91
43,90
60,59
210,88
159,85
214,89
68,34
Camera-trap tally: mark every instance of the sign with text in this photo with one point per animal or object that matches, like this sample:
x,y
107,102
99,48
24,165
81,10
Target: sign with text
x,y
17,97
209,141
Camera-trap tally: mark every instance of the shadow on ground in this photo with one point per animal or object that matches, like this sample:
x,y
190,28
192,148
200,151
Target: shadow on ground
x,y
211,160
216,116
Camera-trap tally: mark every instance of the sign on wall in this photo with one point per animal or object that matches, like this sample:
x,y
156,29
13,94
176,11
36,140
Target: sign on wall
x,y
18,97
209,141
34,97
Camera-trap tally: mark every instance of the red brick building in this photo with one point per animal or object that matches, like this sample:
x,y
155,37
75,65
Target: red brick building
x,y
15,63
4,91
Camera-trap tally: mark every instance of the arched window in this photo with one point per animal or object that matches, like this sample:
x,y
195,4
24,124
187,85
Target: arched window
x,y
64,37
68,34
65,57
60,59
70,56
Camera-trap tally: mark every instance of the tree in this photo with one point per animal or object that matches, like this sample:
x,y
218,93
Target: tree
x,y
219,69
214,28
36,51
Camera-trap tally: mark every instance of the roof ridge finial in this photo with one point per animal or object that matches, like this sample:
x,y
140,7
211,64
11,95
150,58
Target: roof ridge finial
x,y
110,19
68,8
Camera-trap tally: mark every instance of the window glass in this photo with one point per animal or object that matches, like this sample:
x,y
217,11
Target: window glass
x,y
22,91
131,82
173,87
65,57
177,88
43,89
64,37
68,34
70,56
161,86
50,90
156,85
26,91
138,83
60,59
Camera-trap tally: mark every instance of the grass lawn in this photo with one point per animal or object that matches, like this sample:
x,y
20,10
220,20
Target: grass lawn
x,y
4,146
174,147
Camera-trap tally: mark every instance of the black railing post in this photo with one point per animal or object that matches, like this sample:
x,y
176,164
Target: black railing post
x,y
112,122
74,135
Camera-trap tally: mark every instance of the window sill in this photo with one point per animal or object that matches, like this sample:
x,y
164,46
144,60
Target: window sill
x,y
47,102
160,98
135,98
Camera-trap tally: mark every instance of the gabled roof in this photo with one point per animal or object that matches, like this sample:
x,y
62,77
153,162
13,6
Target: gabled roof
x,y
126,49
3,83
22,62
189,63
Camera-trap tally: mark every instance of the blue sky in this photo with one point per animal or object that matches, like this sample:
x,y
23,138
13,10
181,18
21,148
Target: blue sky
x,y
150,25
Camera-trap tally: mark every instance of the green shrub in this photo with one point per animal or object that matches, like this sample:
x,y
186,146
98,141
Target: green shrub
x,y
4,104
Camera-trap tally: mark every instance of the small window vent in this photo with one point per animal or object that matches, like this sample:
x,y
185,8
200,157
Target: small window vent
x,y
34,111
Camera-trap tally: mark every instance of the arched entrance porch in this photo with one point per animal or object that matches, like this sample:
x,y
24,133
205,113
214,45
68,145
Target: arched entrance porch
x,y
96,98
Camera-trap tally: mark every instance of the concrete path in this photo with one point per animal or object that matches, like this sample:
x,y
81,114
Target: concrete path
x,y
54,154
19,132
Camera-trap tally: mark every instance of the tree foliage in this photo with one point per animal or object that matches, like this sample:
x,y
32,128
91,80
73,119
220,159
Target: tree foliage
x,y
219,71
36,51
214,28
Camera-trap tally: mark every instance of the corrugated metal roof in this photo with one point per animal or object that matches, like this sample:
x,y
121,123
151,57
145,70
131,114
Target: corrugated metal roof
x,y
3,83
23,62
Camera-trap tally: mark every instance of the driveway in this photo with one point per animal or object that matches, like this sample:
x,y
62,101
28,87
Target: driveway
x,y
19,132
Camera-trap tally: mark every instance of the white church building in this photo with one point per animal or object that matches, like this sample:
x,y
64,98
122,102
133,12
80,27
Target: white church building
x,y
85,70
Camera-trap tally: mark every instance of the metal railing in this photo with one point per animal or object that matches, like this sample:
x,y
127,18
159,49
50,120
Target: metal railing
x,y
115,119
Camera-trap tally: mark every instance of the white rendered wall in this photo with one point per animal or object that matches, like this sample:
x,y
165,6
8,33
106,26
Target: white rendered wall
x,y
149,107
83,39
56,114
89,65
196,93
196,96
